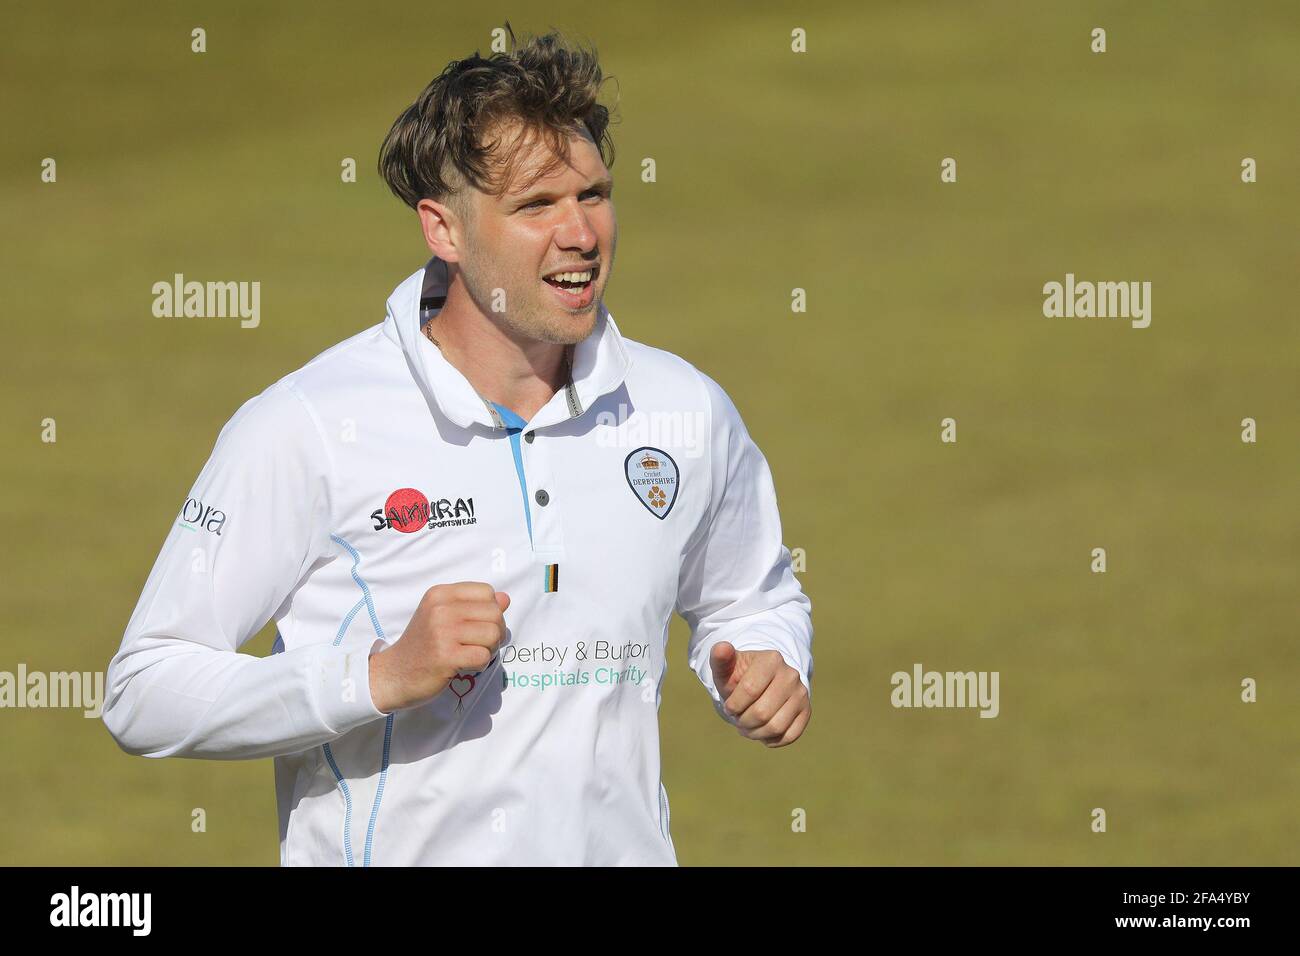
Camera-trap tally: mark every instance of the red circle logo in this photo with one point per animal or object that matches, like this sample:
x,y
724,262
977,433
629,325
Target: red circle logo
x,y
407,510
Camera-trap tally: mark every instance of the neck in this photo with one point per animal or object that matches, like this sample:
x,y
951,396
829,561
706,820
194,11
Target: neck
x,y
521,374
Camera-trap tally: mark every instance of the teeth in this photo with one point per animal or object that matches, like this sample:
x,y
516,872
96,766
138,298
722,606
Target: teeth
x,y
572,276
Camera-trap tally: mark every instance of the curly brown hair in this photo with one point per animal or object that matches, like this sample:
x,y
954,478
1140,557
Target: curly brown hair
x,y
450,135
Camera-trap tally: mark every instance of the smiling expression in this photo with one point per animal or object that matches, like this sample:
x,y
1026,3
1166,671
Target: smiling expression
x,y
544,250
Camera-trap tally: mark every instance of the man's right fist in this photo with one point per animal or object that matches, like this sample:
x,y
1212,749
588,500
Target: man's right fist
x,y
455,630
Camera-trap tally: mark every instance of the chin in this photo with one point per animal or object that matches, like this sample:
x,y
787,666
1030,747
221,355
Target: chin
x,y
570,330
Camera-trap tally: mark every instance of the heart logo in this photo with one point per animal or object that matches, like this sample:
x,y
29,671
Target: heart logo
x,y
461,685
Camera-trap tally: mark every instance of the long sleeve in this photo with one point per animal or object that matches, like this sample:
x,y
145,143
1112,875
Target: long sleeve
x,y
737,583
253,526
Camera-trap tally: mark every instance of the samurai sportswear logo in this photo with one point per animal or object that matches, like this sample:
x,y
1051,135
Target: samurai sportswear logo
x,y
652,476
408,510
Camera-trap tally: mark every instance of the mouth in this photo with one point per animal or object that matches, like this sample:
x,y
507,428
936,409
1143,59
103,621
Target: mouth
x,y
574,286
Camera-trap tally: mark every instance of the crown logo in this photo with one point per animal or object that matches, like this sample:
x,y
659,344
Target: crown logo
x,y
649,461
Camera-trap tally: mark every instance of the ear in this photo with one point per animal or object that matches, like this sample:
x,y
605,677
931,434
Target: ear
x,y
443,232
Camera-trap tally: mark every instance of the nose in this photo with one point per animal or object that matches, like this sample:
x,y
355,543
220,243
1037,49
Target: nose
x,y
575,230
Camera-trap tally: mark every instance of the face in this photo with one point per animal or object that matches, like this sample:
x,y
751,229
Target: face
x,y
512,247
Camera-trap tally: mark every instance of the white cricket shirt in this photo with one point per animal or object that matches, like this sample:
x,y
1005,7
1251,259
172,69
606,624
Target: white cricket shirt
x,y
334,499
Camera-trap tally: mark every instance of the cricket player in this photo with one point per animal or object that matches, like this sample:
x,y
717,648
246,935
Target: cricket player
x,y
471,524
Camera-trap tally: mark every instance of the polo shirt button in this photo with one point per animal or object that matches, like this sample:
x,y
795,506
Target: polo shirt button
x,y
528,437
542,497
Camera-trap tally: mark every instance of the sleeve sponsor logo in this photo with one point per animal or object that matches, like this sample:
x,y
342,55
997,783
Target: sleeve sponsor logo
x,y
198,516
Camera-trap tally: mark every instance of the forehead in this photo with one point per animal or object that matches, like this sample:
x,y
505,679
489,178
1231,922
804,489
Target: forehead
x,y
528,160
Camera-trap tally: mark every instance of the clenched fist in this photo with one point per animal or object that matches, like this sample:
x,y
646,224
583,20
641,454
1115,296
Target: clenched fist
x,y
761,694
455,630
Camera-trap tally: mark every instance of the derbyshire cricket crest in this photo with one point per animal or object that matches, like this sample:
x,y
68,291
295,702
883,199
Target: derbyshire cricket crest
x,y
652,476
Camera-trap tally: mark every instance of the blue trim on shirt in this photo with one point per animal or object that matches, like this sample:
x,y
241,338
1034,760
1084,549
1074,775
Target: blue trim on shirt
x,y
515,425
368,603
347,805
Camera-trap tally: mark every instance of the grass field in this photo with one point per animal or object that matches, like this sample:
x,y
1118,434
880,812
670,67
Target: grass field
x,y
775,170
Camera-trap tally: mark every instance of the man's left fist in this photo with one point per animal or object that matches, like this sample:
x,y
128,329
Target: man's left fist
x,y
761,693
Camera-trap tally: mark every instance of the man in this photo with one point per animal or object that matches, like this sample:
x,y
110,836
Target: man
x,y
469,546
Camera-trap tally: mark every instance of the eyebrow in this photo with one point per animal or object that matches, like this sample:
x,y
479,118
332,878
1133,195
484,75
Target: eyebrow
x,y
603,185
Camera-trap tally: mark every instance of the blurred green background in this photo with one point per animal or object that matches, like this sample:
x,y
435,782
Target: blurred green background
x,y
776,170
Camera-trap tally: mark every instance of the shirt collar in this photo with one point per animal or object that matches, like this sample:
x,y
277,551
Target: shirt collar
x,y
600,361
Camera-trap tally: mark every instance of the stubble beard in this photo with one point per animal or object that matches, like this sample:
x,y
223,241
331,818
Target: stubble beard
x,y
528,315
